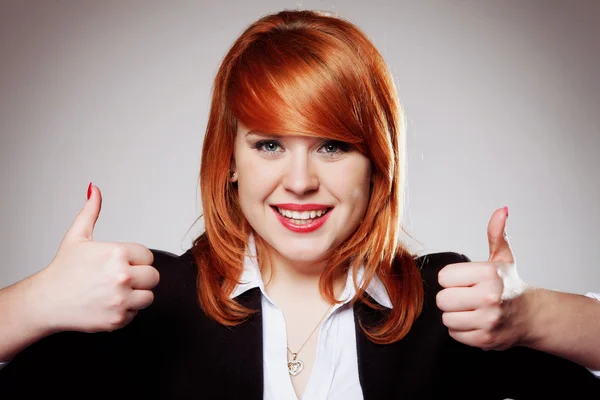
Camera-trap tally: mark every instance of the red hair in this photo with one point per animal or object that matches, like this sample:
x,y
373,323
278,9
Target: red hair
x,y
308,73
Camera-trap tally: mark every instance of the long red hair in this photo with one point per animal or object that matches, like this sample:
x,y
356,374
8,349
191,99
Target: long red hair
x,y
308,73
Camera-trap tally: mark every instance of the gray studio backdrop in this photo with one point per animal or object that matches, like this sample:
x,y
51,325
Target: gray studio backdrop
x,y
503,103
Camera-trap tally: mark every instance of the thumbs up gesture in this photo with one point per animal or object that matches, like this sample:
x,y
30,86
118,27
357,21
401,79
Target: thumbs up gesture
x,y
93,286
481,301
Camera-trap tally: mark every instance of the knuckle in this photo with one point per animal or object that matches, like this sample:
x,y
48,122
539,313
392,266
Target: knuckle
x,y
486,340
117,302
493,320
118,320
492,299
124,278
120,251
489,272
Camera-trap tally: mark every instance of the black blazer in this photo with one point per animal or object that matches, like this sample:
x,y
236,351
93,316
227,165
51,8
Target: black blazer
x,y
172,350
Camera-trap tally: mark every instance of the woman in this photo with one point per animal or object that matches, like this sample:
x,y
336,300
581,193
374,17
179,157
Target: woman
x,y
299,288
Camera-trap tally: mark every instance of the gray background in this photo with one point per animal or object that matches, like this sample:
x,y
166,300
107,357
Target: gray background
x,y
503,103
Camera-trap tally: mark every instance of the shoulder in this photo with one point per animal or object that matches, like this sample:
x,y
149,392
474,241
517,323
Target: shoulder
x,y
170,263
166,259
177,274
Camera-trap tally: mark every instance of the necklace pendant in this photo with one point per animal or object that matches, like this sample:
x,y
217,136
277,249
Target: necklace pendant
x,y
295,367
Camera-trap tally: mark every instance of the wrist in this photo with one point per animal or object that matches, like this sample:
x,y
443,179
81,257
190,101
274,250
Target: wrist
x,y
36,308
22,323
533,305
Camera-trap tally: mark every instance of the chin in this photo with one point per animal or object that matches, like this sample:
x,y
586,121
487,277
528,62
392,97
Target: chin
x,y
302,250
302,257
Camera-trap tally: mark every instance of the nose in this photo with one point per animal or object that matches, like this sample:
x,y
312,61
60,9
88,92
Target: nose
x,y
299,175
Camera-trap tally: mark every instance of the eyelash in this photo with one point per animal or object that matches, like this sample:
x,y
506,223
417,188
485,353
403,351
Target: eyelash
x,y
342,147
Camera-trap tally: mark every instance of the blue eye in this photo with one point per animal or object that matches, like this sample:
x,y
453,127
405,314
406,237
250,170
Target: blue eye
x,y
330,148
334,147
268,146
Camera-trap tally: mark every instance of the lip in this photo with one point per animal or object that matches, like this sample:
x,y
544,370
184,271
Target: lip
x,y
301,207
306,228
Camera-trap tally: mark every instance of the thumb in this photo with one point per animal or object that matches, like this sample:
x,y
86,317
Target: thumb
x,y
83,225
497,238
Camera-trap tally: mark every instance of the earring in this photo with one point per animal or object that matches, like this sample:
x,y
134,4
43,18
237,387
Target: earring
x,y
233,177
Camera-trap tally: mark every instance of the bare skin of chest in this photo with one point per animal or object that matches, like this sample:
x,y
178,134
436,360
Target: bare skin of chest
x,y
303,334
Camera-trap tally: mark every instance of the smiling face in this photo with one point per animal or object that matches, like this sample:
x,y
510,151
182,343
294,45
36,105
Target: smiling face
x,y
303,195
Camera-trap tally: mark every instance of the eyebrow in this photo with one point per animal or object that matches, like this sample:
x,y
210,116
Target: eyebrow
x,y
255,133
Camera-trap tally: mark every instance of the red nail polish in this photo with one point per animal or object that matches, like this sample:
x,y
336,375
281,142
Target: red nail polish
x,y
89,194
506,209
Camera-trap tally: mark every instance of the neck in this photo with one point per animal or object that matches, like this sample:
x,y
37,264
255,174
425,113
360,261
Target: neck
x,y
283,277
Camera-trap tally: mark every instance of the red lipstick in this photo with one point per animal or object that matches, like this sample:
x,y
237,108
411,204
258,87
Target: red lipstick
x,y
304,228
302,207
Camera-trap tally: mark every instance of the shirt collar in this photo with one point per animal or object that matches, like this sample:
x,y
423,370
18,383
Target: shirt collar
x,y
251,278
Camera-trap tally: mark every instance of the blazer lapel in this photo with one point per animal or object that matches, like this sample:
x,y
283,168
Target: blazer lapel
x,y
376,379
241,352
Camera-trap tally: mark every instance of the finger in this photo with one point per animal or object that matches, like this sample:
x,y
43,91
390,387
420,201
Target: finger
x,y
498,239
467,274
471,337
471,320
485,295
461,320
477,338
144,277
458,299
82,227
136,254
139,299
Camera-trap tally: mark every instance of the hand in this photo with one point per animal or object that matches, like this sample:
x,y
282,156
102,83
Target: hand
x,y
482,302
93,286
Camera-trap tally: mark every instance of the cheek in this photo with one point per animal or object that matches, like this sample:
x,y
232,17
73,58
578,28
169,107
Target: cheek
x,y
255,180
354,191
360,181
361,190
360,198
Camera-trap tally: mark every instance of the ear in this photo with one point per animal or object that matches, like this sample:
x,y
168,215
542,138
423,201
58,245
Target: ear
x,y
233,176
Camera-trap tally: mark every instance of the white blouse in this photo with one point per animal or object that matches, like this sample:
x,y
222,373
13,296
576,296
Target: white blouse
x,y
335,371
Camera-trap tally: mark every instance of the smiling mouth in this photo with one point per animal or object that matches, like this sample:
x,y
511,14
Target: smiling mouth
x,y
301,217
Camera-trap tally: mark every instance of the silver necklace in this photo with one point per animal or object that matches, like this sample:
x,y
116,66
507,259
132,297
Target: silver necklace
x,y
295,366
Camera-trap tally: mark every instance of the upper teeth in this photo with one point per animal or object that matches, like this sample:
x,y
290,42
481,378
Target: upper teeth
x,y
302,214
